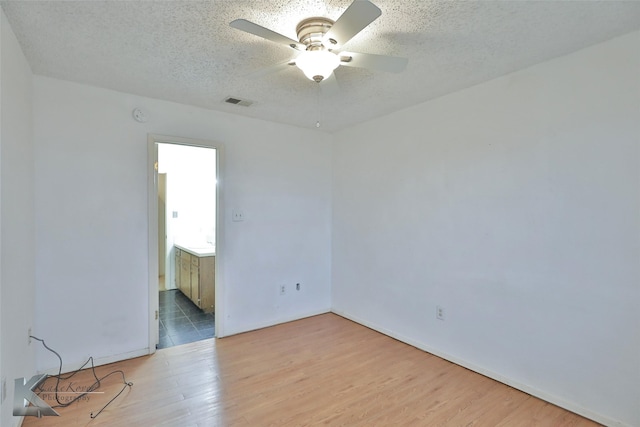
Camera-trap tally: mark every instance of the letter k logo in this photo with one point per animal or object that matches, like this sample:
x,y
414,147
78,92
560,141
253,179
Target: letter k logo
x,y
24,391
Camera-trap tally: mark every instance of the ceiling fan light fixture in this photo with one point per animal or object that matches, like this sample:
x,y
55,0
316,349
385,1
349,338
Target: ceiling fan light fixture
x,y
317,65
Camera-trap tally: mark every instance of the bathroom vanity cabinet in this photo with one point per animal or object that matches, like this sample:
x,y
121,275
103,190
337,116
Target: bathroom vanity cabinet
x,y
195,276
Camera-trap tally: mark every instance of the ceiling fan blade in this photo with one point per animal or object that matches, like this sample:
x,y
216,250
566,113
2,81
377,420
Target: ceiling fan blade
x,y
265,33
357,16
391,64
330,86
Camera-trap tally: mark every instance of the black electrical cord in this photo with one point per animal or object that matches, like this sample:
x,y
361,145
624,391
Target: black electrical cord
x,y
129,384
89,389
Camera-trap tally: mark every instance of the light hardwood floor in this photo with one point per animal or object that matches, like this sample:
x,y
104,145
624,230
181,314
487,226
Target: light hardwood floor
x,y
324,370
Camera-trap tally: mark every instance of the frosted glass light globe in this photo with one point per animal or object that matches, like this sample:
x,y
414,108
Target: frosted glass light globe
x,y
317,65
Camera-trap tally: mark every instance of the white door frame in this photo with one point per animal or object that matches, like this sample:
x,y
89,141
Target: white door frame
x,y
163,232
152,191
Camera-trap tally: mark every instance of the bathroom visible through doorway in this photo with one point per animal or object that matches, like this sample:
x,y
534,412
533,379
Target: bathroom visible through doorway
x,y
186,243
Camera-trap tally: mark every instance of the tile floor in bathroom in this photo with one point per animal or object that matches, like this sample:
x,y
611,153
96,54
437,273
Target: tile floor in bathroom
x,y
181,322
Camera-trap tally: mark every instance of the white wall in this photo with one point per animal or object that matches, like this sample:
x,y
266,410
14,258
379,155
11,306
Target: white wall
x,y
91,217
515,205
17,277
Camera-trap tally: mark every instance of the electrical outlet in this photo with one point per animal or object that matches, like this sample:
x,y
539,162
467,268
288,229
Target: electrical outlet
x,y
237,215
29,336
283,289
3,393
297,286
439,312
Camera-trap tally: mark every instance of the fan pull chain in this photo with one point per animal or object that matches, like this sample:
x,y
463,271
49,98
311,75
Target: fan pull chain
x,y
318,105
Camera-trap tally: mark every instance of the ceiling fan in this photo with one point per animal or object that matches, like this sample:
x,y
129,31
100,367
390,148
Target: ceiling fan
x,y
320,39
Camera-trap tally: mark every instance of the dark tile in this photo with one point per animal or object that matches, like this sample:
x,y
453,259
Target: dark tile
x,y
169,321
193,316
167,296
200,317
181,321
207,333
204,325
186,338
180,329
165,342
188,307
168,306
170,315
181,297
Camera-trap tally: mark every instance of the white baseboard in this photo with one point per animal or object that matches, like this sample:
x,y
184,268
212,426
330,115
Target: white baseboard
x,y
570,406
277,321
145,351
97,362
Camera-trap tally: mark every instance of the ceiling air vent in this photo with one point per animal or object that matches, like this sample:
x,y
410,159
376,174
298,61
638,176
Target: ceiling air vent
x,y
236,101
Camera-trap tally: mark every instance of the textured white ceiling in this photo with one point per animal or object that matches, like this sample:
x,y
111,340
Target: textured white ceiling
x,y
185,51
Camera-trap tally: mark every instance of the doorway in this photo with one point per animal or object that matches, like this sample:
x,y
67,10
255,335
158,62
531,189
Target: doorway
x,y
184,241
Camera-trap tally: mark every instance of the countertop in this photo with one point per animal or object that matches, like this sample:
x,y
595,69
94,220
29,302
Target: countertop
x,y
199,251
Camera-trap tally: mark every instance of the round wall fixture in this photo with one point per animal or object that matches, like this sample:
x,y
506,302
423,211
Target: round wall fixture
x,y
139,115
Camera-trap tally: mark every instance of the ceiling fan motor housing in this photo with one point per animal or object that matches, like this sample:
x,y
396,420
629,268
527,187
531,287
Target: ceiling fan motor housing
x,y
311,32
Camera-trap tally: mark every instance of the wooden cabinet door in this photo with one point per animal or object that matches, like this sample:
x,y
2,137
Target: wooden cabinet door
x,y
177,267
207,284
185,274
195,284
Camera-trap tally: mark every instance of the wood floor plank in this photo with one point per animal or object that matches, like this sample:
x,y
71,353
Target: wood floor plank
x,y
324,370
